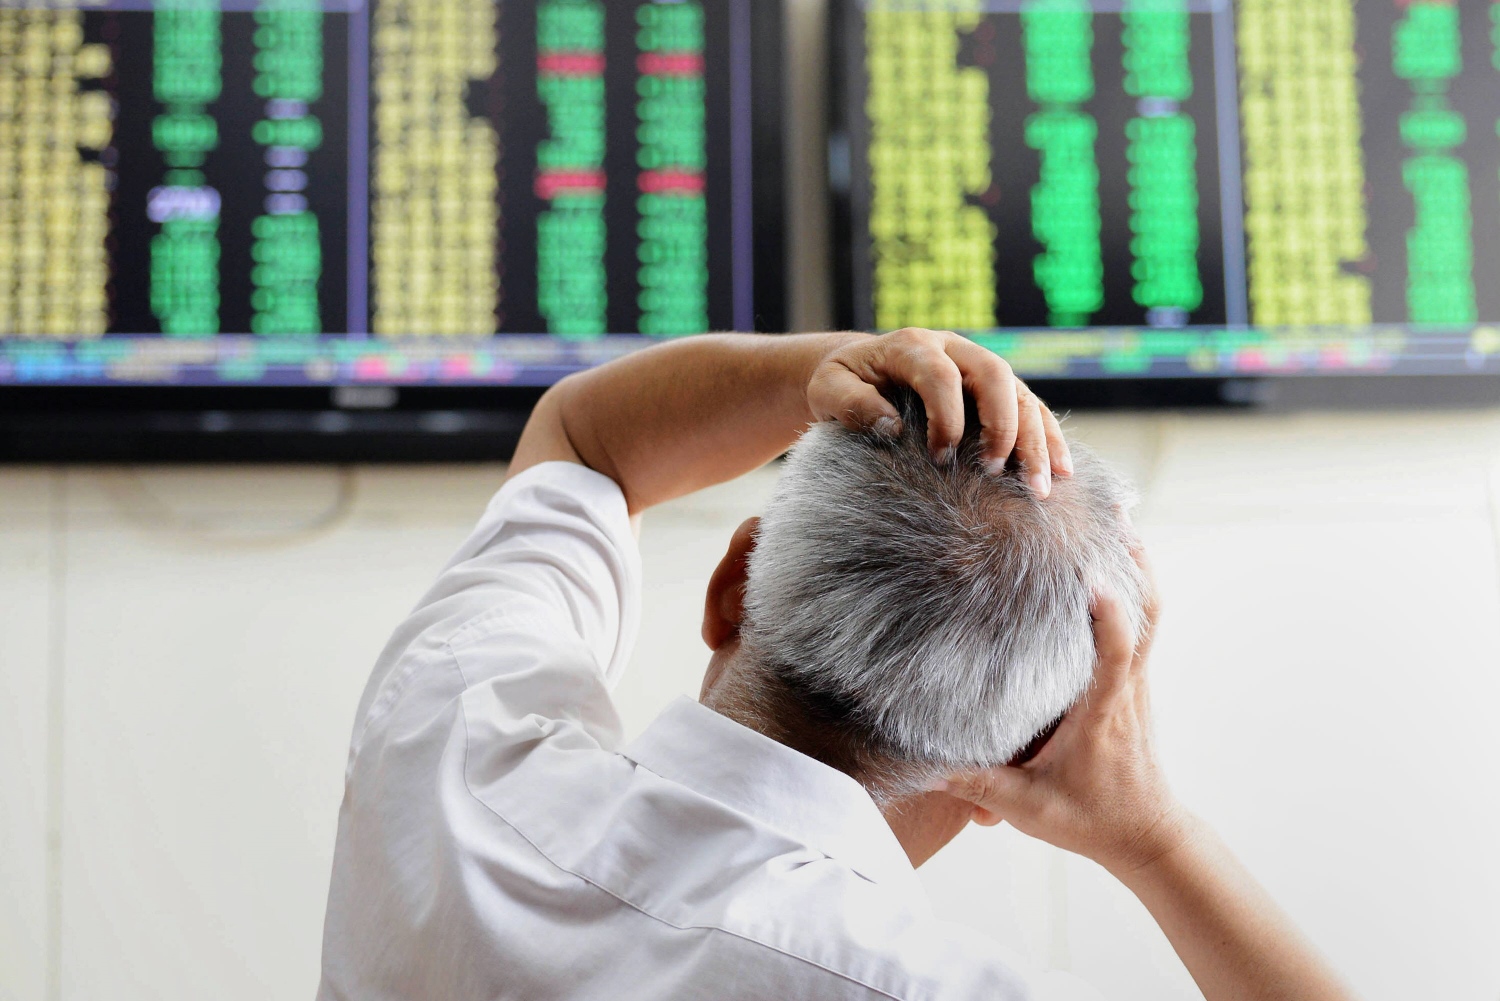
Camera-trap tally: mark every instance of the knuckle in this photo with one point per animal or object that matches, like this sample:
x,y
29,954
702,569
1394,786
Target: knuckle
x,y
988,367
909,351
914,351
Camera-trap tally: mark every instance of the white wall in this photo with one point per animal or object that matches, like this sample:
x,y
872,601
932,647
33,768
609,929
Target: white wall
x,y
181,652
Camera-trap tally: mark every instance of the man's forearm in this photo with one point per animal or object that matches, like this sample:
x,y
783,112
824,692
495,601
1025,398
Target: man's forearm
x,y
687,414
1231,936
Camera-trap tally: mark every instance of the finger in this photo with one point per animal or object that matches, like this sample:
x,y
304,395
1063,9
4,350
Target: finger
x,y
1114,647
1031,445
1150,603
837,393
926,368
998,790
989,379
1057,445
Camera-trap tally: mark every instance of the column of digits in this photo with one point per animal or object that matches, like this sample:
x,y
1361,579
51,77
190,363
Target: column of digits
x,y
1426,52
287,252
673,226
434,214
1495,34
1305,216
933,252
1495,43
1163,155
572,293
54,204
186,78
1059,38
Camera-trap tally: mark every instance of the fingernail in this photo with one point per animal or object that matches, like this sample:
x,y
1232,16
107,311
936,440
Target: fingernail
x,y
995,467
941,785
888,427
1041,484
1067,461
946,456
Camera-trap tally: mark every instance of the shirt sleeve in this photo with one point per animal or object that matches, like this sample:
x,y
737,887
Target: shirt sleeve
x,y
540,606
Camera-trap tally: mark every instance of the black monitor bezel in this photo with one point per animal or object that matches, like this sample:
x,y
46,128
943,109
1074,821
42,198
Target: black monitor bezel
x,y
1085,393
420,423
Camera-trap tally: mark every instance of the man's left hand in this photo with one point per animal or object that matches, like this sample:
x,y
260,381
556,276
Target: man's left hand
x,y
940,366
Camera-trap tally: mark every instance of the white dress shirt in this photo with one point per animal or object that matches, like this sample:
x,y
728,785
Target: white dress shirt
x,y
496,839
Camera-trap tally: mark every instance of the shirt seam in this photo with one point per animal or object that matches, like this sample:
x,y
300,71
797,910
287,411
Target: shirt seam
x,y
476,629
407,668
464,715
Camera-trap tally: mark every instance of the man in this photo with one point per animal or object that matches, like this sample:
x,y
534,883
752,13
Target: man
x,y
891,648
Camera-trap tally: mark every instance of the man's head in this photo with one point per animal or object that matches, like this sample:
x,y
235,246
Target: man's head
x,y
919,618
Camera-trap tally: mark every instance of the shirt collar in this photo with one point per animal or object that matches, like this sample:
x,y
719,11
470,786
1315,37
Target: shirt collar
x,y
752,774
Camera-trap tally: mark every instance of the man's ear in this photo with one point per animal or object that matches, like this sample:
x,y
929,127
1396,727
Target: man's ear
x,y
724,606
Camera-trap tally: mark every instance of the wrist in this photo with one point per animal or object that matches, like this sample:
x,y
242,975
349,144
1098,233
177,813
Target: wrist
x,y
1171,835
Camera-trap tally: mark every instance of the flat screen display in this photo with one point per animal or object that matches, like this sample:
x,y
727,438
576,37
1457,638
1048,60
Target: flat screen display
x,y
1178,187
324,191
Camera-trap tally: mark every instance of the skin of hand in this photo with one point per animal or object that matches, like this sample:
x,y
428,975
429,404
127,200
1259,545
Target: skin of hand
x,y
690,413
1095,787
746,397
940,366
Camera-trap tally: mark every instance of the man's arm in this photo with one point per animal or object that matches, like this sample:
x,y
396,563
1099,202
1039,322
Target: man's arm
x,y
687,414
1231,935
1095,788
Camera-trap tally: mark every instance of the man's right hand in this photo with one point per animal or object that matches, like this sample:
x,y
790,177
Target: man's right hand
x,y
1095,787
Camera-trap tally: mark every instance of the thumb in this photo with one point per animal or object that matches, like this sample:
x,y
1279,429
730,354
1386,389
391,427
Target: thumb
x,y
836,393
994,789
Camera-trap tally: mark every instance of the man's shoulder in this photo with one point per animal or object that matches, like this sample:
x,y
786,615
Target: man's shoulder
x,y
885,939
601,880
717,893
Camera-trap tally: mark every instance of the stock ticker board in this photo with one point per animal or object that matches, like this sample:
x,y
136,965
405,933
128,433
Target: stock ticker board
x,y
452,192
281,171
1322,168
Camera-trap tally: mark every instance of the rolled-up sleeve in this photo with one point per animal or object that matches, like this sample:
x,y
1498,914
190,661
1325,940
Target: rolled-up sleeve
x,y
540,604
506,660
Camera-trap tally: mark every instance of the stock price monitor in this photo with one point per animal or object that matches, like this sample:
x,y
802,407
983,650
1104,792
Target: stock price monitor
x,y
327,190
1180,187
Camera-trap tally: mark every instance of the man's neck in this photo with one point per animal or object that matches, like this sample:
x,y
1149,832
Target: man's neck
x,y
925,822
922,822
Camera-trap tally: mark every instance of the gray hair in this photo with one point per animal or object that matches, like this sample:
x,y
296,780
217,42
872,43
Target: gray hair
x,y
936,614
